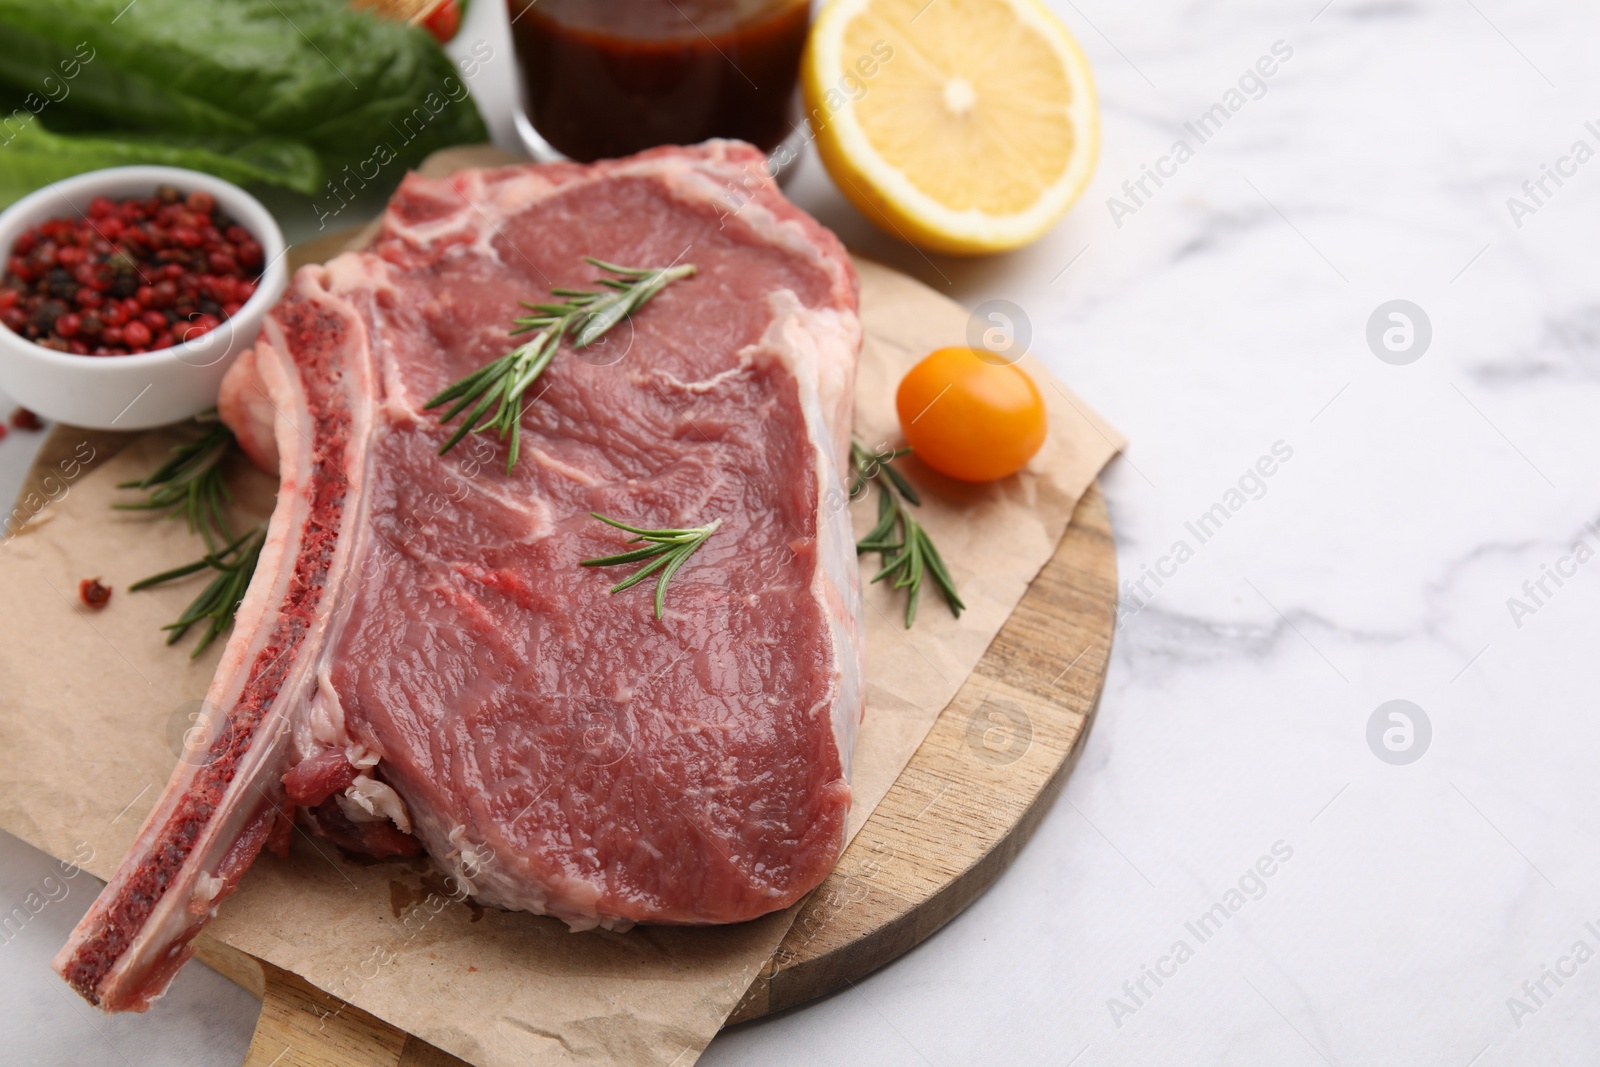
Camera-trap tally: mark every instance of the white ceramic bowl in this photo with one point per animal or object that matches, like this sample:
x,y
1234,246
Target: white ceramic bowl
x,y
135,392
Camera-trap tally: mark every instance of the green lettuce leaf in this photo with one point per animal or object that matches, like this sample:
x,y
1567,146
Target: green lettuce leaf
x,y
31,156
263,85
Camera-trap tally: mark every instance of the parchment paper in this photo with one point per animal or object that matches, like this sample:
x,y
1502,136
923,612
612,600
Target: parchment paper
x,y
93,708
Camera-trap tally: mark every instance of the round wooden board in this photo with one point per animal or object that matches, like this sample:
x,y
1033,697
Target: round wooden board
x,y
957,815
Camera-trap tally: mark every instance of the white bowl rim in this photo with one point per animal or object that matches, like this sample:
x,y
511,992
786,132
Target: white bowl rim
x,y
125,182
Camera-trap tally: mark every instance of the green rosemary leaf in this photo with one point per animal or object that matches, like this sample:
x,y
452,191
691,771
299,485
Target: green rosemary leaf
x,y
583,317
675,561
200,608
937,570
235,565
469,386
645,533
613,268
668,550
911,604
626,557
167,576
887,514
189,485
913,573
861,470
905,550
901,484
216,560
662,558
624,299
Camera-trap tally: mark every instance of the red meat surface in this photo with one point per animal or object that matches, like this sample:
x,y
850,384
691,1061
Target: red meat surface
x,y
421,661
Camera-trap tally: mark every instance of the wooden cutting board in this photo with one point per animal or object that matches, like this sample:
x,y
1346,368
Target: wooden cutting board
x,y
957,815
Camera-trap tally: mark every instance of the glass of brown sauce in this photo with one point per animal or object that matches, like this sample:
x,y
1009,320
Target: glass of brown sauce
x,y
604,78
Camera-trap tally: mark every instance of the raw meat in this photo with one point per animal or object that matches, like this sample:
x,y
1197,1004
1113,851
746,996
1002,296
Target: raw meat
x,y
420,661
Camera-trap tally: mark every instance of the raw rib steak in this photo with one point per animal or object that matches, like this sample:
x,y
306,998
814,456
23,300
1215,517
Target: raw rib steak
x,y
421,663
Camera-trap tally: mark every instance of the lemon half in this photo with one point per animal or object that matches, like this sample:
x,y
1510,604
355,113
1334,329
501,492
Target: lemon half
x,y
963,126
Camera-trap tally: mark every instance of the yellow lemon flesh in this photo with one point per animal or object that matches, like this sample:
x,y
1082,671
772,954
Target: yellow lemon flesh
x,y
963,126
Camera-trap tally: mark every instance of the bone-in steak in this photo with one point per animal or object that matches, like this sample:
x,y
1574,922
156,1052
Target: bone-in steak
x,y
421,662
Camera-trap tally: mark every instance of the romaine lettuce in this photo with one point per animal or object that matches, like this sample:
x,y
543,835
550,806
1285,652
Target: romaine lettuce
x,y
286,92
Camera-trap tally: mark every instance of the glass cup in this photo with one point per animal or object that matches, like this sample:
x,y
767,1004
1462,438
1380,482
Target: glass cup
x,y
606,78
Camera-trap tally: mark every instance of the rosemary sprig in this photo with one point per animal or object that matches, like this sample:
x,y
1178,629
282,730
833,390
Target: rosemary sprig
x,y
904,547
235,564
583,315
670,550
190,483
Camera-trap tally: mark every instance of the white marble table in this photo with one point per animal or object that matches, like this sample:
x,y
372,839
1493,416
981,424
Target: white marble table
x,y
1220,317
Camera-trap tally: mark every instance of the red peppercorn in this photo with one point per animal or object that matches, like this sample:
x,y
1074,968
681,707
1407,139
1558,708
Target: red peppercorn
x,y
170,265
92,593
198,327
23,419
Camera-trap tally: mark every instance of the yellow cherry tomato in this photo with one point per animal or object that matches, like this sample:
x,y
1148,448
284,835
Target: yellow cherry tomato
x,y
969,418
